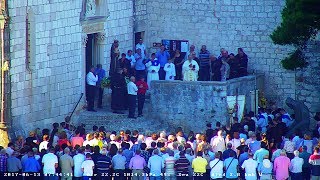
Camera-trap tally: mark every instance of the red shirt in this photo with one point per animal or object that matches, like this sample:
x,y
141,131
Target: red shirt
x,y
144,88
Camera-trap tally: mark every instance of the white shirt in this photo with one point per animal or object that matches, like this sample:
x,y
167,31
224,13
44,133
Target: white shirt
x,y
132,88
235,143
216,171
49,160
131,59
77,161
43,145
87,166
296,165
170,71
218,144
143,48
250,167
289,146
92,79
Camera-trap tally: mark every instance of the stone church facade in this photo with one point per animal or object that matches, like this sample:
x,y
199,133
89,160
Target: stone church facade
x,y
52,43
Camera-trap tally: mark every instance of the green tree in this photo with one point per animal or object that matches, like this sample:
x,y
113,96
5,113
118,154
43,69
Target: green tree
x,y
300,23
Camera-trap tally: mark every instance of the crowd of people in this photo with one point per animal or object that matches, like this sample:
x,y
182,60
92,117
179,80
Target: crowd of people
x,y
188,66
245,150
138,66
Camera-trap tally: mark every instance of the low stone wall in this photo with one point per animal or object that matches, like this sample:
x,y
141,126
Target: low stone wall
x,y
191,105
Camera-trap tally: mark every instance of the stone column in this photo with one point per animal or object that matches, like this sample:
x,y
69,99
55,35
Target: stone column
x,y
100,37
83,74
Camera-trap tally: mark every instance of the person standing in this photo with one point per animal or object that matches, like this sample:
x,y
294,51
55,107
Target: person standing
x,y
306,171
77,162
140,66
132,61
216,166
143,48
142,89
190,70
215,68
230,165
314,160
103,164
114,54
178,62
265,169
199,165
153,67
170,70
182,167
87,167
118,95
281,166
31,165
50,163
204,59
296,166
101,73
243,62
92,79
137,164
155,164
132,96
66,163
162,56
250,167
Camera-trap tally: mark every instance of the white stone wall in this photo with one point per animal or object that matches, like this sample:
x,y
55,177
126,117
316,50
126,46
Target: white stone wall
x,y
119,26
47,93
227,24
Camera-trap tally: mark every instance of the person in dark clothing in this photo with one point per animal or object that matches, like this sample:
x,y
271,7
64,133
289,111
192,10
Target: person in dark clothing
x,y
215,68
118,96
102,166
226,154
123,62
178,62
209,132
234,66
114,55
235,127
249,122
182,167
243,62
142,89
204,66
101,74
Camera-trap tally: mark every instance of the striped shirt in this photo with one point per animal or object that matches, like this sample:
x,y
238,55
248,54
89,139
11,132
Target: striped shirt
x,y
182,165
103,164
204,57
169,164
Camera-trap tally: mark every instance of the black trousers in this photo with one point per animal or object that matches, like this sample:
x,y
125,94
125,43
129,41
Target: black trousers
x,y
141,99
100,97
204,74
91,95
162,74
140,73
118,174
132,104
306,173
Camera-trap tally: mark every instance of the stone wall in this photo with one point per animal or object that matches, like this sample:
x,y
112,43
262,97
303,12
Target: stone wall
x,y
227,24
192,104
49,91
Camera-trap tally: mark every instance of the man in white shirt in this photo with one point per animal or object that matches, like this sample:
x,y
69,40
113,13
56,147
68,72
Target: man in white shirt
x,y
218,143
250,167
91,88
77,162
9,149
50,163
296,166
132,60
132,97
141,46
87,167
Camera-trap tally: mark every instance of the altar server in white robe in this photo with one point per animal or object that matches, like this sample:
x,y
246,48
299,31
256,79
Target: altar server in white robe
x,y
190,69
170,70
153,66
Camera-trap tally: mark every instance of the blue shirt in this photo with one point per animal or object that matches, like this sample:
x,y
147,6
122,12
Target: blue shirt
x,y
119,161
139,62
244,156
162,57
254,146
31,165
101,74
128,154
155,164
265,170
232,171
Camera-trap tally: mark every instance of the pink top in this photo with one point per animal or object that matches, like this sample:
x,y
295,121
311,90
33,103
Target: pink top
x,y
281,167
76,140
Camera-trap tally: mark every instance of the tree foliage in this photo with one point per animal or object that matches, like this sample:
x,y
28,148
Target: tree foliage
x,y
300,23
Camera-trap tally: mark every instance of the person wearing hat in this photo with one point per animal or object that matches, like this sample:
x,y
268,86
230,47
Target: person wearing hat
x,y
118,96
265,169
281,166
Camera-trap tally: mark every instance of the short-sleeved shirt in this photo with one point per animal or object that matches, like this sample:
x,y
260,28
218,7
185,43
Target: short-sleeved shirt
x,y
216,166
49,160
87,166
199,165
231,165
250,167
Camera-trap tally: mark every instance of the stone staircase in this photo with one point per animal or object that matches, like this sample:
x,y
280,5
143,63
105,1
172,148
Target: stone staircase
x,y
115,122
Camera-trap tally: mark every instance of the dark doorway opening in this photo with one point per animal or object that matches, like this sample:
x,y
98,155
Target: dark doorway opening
x,y
89,56
138,36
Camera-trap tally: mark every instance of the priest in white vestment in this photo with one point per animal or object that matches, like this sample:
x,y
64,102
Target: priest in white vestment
x,y
170,70
153,67
190,70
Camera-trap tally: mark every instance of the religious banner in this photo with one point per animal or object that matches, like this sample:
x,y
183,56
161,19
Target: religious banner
x,y
236,105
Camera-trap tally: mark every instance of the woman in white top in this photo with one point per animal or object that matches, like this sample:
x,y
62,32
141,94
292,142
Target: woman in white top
x,y
216,166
